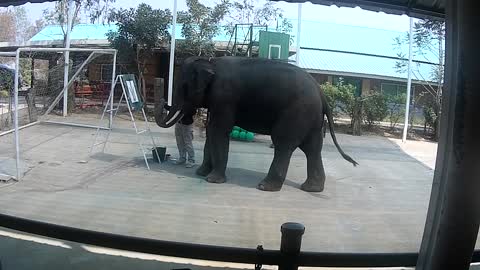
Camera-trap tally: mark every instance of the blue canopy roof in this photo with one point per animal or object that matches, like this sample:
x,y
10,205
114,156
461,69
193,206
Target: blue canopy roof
x,y
99,32
327,47
359,51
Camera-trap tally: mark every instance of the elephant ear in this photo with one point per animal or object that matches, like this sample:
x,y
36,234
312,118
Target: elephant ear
x,y
203,76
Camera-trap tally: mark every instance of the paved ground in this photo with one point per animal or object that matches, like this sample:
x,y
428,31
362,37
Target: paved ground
x,y
379,206
423,151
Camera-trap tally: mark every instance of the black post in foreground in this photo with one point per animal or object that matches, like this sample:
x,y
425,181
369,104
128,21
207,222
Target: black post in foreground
x,y
292,234
453,216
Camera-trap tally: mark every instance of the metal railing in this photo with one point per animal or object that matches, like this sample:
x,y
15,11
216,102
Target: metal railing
x,y
288,257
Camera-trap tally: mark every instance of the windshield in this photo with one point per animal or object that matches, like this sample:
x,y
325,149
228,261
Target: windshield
x,y
222,125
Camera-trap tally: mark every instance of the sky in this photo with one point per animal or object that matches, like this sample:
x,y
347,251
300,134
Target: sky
x,y
331,14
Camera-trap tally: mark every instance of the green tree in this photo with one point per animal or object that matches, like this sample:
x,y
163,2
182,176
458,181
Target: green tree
x,y
96,10
429,39
342,97
396,109
140,31
200,24
375,108
7,26
331,93
259,12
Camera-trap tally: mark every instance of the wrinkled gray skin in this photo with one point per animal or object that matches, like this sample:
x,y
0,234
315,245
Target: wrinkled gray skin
x,y
260,95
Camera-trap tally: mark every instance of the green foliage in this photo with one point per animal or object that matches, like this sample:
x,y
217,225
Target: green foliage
x,y
396,108
331,93
431,113
199,25
428,37
348,102
3,94
140,30
375,108
6,80
342,96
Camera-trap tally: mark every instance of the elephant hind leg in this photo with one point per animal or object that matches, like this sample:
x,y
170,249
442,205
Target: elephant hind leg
x,y
312,147
278,169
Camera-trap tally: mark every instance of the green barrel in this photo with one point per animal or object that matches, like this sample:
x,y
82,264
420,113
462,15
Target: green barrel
x,y
249,136
235,134
242,135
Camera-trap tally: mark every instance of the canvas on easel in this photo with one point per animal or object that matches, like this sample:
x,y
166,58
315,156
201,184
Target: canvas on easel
x,y
134,103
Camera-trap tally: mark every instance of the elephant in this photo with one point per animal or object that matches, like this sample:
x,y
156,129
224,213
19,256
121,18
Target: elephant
x,y
265,96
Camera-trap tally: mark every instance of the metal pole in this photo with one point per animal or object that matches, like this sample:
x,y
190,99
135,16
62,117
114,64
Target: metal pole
x,y
299,30
15,121
112,89
172,54
57,99
290,245
409,81
34,49
67,56
20,127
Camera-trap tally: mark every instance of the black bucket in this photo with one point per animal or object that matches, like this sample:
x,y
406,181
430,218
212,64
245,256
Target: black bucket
x,y
161,153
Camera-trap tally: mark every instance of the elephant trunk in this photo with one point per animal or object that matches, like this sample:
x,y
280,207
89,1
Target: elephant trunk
x,y
173,116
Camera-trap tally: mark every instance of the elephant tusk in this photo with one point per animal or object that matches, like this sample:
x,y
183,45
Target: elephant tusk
x,y
174,118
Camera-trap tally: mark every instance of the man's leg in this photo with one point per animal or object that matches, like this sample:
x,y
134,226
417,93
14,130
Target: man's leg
x,y
182,154
188,139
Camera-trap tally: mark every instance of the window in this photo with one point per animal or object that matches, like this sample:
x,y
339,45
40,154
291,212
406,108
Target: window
x,y
393,89
106,72
357,83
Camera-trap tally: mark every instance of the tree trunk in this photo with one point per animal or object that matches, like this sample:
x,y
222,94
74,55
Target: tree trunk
x,y
357,119
439,87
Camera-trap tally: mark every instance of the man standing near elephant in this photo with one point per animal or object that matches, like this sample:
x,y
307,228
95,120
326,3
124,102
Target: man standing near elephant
x,y
184,137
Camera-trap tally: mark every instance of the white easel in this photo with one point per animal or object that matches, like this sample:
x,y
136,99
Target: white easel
x,y
132,98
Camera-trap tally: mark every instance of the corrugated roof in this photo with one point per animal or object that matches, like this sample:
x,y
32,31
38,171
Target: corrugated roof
x,y
99,32
414,8
358,65
6,3
330,36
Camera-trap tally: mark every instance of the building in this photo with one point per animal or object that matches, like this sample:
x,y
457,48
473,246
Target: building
x,y
364,57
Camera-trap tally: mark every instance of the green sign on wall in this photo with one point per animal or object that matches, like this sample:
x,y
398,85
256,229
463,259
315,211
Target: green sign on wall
x,y
274,45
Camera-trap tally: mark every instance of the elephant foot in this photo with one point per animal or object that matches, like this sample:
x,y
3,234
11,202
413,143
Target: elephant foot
x,y
269,185
313,186
215,178
203,171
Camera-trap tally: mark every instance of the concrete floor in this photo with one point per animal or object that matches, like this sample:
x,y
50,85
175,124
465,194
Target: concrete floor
x,y
379,206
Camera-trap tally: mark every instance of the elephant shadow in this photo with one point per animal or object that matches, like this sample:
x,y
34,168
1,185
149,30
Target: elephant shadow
x,y
235,176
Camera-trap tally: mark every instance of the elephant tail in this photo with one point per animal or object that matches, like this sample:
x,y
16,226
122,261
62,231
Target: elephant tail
x,y
328,113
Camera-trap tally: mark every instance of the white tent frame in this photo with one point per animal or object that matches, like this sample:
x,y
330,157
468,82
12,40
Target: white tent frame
x,y
16,54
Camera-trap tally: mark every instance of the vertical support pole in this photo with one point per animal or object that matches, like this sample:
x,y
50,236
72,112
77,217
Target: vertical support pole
x,y
452,223
15,121
172,54
290,245
67,56
299,31
409,81
112,89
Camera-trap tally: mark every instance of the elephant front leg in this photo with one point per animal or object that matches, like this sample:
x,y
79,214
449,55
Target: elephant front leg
x,y
218,136
278,170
